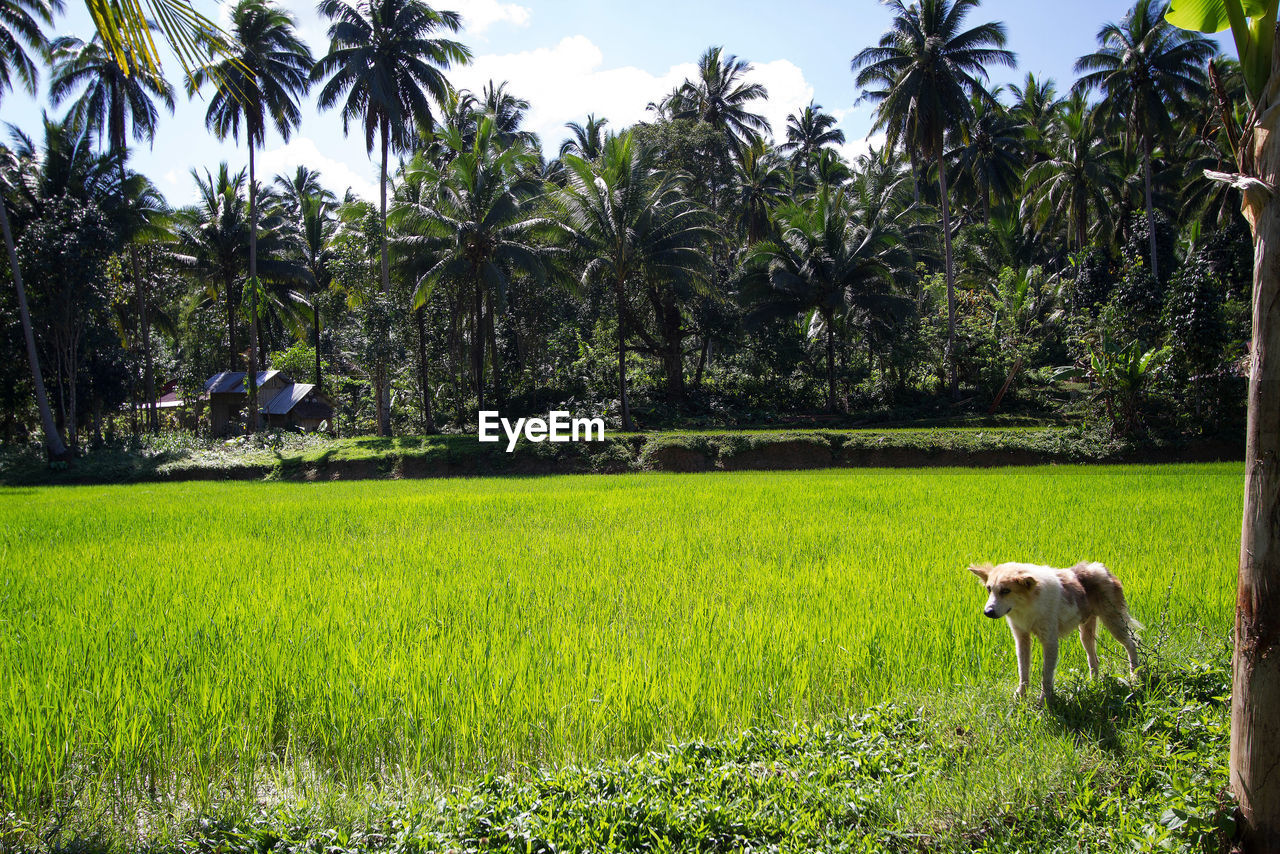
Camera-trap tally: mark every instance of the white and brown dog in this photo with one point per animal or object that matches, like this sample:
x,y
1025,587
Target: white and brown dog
x,y
1049,603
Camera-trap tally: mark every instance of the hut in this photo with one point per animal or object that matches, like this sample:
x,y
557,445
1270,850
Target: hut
x,y
282,403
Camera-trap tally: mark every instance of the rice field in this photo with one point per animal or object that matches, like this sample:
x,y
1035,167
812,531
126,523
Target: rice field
x,y
202,642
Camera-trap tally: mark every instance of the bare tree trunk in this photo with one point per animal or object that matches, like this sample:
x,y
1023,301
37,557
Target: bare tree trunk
x,y
315,315
144,320
831,362
1255,691
229,287
428,422
53,444
477,345
1151,211
383,389
950,276
627,426
251,381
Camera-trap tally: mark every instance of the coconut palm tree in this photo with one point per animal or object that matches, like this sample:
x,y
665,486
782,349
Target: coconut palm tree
x,y
809,130
20,22
1036,105
473,225
761,186
926,70
310,212
1079,176
269,69
633,225
826,264
386,68
585,141
989,155
114,103
720,96
1146,70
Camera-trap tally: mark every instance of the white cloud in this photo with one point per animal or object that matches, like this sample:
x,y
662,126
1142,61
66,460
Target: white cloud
x,y
480,15
302,151
789,92
566,82
856,146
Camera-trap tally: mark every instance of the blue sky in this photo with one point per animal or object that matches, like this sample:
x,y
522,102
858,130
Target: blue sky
x,y
571,57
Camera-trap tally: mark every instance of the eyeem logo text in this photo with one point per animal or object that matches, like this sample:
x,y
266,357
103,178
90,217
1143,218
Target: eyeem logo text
x,y
558,427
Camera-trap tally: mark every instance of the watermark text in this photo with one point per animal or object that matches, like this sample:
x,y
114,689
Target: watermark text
x,y
559,426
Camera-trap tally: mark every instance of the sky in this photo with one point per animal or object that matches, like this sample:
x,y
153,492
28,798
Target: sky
x,y
569,58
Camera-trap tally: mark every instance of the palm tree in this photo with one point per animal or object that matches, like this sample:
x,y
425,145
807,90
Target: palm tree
x,y
386,68
828,264
633,225
928,69
990,155
115,102
1036,105
20,31
585,141
1077,179
721,97
472,225
1146,70
212,240
809,130
761,186
269,70
311,213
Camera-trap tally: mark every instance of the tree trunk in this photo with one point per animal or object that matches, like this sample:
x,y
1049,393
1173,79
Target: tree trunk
x,y
384,385
315,316
251,381
950,276
229,289
490,334
627,426
53,444
144,320
1151,211
477,345
428,422
831,362
1255,692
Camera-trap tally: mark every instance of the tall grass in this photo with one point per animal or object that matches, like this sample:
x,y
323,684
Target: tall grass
x,y
193,643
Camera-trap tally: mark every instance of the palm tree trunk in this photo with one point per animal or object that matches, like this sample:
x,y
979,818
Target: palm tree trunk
x,y
228,287
831,361
627,426
950,276
1151,212
54,447
148,365
1255,691
428,422
251,381
383,389
477,345
315,314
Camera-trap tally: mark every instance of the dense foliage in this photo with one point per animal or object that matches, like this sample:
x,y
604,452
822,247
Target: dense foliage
x,y
1058,255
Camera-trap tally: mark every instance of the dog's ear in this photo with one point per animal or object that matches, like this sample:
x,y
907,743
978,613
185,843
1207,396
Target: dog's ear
x,y
982,570
1027,581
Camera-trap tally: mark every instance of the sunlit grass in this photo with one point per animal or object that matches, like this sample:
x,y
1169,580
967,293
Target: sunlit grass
x,y
189,643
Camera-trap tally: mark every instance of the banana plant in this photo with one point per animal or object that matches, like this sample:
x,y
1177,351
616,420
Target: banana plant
x,y
1255,683
1121,376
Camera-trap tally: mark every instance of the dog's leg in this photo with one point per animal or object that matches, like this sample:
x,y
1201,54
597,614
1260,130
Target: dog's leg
x,y
1089,640
1022,646
1118,624
1050,644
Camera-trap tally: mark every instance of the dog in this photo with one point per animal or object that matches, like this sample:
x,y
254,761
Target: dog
x,y
1049,603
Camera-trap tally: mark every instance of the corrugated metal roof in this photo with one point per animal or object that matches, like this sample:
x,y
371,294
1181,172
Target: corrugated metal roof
x,y
289,397
263,378
224,382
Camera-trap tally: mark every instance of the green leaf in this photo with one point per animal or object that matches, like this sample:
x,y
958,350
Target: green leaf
x,y
1210,16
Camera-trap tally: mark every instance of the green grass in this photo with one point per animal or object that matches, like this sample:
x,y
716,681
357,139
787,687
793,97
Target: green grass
x,y
173,649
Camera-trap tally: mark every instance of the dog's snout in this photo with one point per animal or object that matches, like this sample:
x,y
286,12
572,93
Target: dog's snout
x,y
990,612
